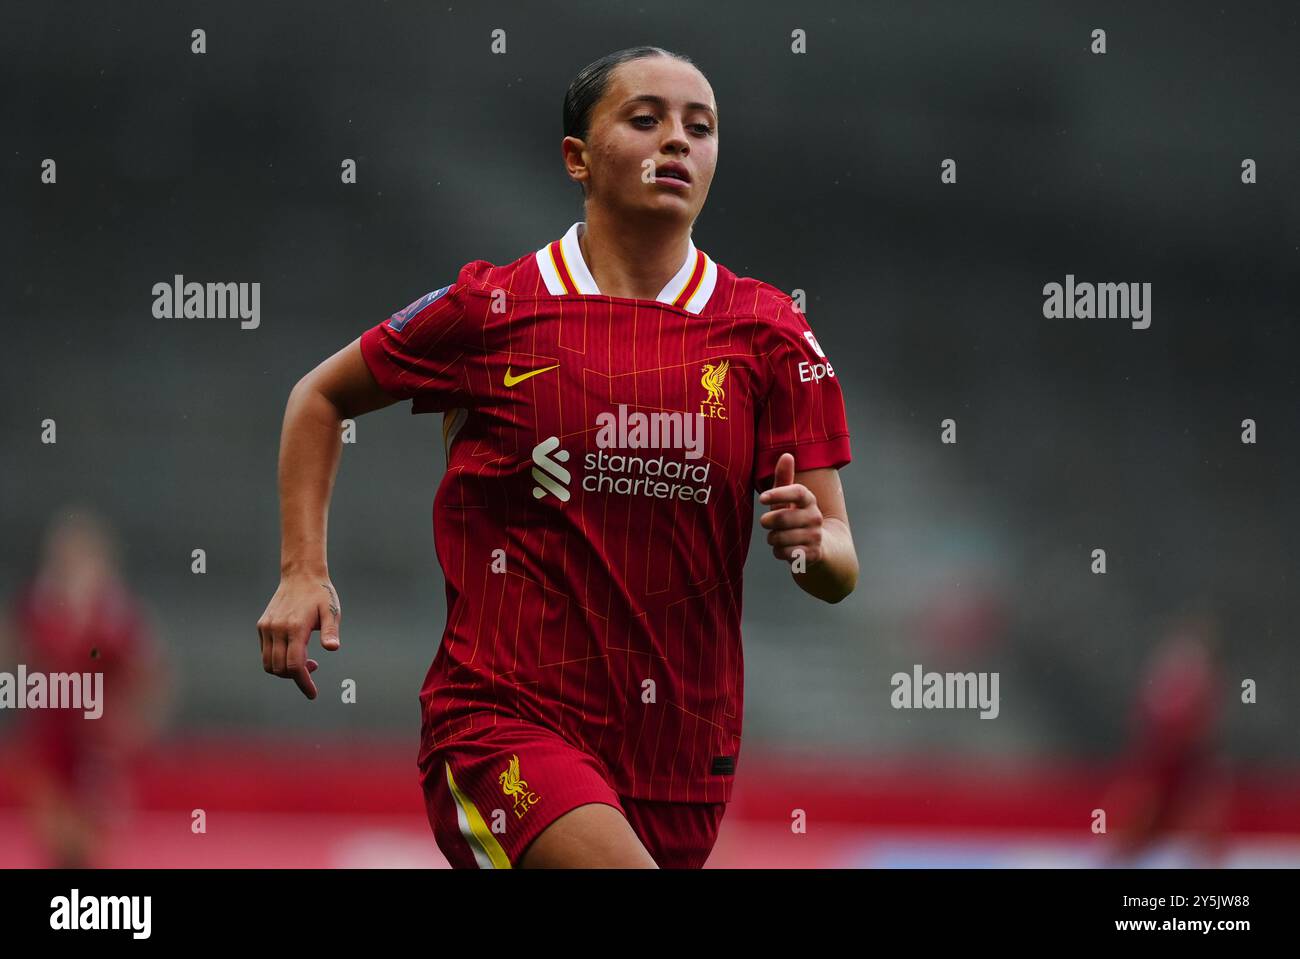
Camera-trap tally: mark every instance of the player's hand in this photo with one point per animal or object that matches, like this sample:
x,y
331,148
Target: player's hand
x,y
303,603
795,521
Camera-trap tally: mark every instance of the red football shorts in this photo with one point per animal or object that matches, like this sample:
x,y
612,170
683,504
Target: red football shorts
x,y
493,790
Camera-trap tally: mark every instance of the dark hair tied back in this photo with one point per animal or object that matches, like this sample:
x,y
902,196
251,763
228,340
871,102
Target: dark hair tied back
x,y
589,86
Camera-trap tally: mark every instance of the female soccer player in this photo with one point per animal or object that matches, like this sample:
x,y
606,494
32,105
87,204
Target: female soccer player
x,y
77,615
611,403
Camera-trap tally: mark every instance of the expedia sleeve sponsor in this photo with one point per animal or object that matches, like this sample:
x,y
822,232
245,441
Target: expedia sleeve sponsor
x,y
803,412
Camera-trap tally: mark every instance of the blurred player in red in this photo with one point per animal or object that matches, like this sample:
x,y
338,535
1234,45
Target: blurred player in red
x,y
76,616
1174,782
612,401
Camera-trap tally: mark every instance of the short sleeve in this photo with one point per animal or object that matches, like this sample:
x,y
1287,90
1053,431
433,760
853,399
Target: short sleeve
x,y
803,413
417,353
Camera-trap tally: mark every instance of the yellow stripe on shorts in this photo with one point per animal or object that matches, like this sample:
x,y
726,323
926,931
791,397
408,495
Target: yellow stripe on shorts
x,y
487,851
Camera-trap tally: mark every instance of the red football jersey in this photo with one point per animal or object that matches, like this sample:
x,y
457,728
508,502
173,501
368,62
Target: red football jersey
x,y
597,509
111,636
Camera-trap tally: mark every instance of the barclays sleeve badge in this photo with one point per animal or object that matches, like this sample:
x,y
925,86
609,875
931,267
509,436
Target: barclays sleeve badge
x,y
400,318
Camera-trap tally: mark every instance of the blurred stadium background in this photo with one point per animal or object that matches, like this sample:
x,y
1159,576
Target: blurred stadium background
x,y
1073,434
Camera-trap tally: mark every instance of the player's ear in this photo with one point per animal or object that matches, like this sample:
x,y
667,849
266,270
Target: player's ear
x,y
572,150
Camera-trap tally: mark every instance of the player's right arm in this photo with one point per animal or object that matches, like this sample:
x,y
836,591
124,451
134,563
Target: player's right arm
x,y
415,354
311,443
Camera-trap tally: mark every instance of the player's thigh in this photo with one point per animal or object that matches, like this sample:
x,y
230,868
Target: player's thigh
x,y
593,836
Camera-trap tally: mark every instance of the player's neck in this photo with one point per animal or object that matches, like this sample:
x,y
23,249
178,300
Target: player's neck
x,y
633,263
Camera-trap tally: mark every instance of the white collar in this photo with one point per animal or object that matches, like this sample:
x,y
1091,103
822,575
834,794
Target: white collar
x,y
693,284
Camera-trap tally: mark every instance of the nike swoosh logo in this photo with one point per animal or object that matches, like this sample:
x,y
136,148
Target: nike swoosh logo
x,y
514,380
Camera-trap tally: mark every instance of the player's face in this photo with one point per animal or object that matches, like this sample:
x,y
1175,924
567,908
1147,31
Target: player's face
x,y
78,555
631,139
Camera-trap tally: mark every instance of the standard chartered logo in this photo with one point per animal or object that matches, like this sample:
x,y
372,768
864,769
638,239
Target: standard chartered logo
x,y
659,477
551,476
683,477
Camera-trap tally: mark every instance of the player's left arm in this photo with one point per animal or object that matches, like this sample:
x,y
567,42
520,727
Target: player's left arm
x,y
808,527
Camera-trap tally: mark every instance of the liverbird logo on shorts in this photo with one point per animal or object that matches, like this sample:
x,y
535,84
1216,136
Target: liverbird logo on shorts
x,y
513,785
